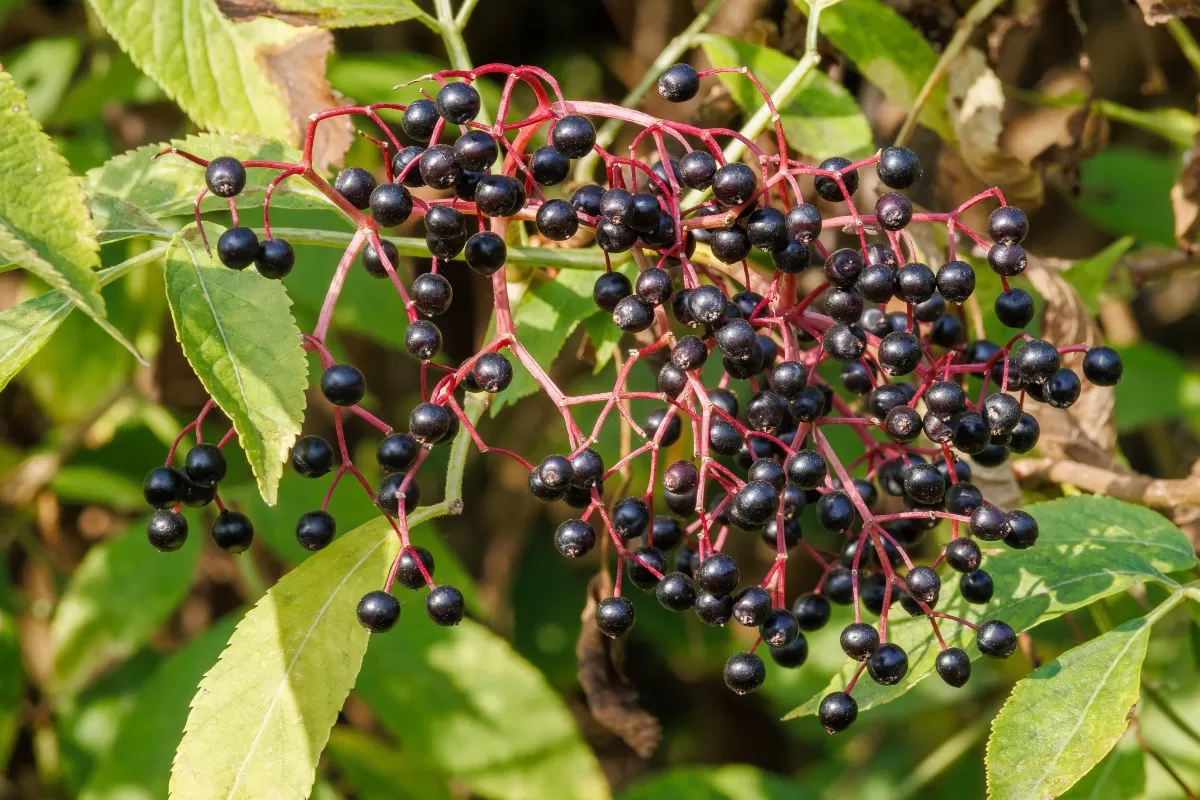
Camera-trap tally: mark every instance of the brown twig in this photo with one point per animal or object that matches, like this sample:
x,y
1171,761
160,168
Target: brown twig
x,y
1135,488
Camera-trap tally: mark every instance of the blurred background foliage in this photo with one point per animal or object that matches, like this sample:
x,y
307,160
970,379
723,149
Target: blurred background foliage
x,y
102,641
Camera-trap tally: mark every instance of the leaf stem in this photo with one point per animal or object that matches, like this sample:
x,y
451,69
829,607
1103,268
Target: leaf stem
x,y
1187,43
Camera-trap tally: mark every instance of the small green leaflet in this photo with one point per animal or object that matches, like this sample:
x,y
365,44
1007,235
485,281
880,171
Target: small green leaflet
x,y
121,592
237,331
1062,719
263,713
822,118
117,219
889,51
344,13
202,61
735,782
462,700
1090,276
168,185
1089,547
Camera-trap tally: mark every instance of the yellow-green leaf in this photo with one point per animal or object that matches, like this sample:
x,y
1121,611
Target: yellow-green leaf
x,y
379,771
237,331
345,13
736,782
1066,716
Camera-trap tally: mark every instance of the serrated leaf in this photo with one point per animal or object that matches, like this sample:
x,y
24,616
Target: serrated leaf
x,y
342,13
202,61
237,331
1063,718
118,219
822,119
1122,773
1089,547
44,223
470,705
263,713
889,51
378,771
168,185
737,782
121,592
138,765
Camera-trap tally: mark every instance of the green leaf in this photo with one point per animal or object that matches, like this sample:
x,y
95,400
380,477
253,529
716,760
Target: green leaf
x,y
1122,773
43,69
345,13
118,219
378,77
99,486
263,713
1173,124
209,65
121,592
736,782
605,336
1090,276
822,118
168,185
472,707
237,331
1126,191
46,231
378,771
1089,547
889,51
138,765
1063,719
12,684
1156,385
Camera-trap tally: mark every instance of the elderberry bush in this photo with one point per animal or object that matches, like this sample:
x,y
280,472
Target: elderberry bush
x,y
723,250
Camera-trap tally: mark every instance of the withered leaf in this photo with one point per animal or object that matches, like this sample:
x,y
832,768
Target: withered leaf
x,y
1158,11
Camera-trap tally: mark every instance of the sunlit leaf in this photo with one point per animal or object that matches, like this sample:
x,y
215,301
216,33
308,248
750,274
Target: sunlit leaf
x,y
1126,191
735,782
378,771
344,13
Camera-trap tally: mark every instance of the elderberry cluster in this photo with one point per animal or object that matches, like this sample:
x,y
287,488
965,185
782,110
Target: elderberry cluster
x,y
718,276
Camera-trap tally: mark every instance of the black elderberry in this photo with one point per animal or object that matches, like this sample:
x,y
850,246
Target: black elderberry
x,y
378,611
839,586
843,267
225,176
1025,434
923,584
1062,389
956,281
403,164
445,247
1102,366
888,665
828,188
806,469
963,498
419,120
842,343
714,610
166,530
655,420
613,237
1014,308
899,353
1022,530
803,222
499,195
971,434
1008,260
315,530
689,353
312,456
780,628
549,166
675,592
356,184
633,314
1008,225
343,384
665,533
671,380
736,339
556,220
445,604
791,655
734,184
1036,361
423,340
954,666
996,639
835,512
837,712
387,496
431,294
679,83
373,263
976,587
232,531
893,211
723,438
898,167
844,305
642,572
752,606
744,672
574,136
198,496
718,574
706,304
812,611
859,641
915,283
204,465
587,468
237,247
767,229
789,379
630,517
767,470
458,103
902,424
615,616
475,150
391,204
877,283
492,372
164,487
654,286
696,169
730,245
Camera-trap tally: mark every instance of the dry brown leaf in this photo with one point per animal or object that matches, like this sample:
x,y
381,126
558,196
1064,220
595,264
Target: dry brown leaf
x,y
1158,11
242,10
610,697
1185,201
1086,432
998,484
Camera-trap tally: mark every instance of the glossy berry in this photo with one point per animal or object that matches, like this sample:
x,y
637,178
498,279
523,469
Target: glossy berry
x,y
924,484
996,639
837,712
915,283
431,294
232,531
898,167
633,314
574,538
923,584
429,422
752,606
902,424
485,252
387,496
549,166
714,610
767,229
744,672
1007,260
954,666
166,530
164,487
888,665
408,572
205,465
1062,389
679,83
391,204
1036,361
615,616
675,592
730,245
312,456
630,517
859,641
835,512
839,586
225,176
1008,225
587,467
499,195
843,343
1102,366
423,340
458,103
718,574
439,167
696,169
988,523
378,611
806,469
419,120
654,286
406,163
315,530
734,184
574,136
899,353
492,373
556,220
237,247
894,211
956,281
355,184
343,385
609,289
963,555
812,611
445,605
780,628
791,655
373,260
976,587
275,258
1022,530
828,188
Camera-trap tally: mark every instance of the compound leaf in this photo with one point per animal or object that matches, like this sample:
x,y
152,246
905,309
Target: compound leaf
x,y
472,707
118,219
263,713
197,55
138,764
1063,718
889,51
121,592
237,331
822,119
1089,547
168,185
737,782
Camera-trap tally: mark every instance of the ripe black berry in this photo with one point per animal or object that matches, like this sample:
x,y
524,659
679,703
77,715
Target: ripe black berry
x,y
164,486
315,530
899,353
675,592
312,456
225,176
706,304
419,120
614,616
805,469
445,221
956,281
438,166
915,283
752,606
1022,530
237,247
343,385
431,294
679,83
1008,225
767,229
828,188
839,586
387,496
549,166
696,169
408,572
378,611
734,184
971,434
1007,259
1102,366
843,267
954,666
1036,361
573,135
475,150
205,465
843,343
445,605
963,555
1062,389
835,512
429,422
423,340
924,484
1014,308
633,314
485,252
744,672
714,610
812,611
718,574
1024,435
373,262
837,712
356,184
894,211
166,530
996,639
898,167
574,538
499,196
730,245
665,532
610,289
888,665
844,305
655,419
232,531
630,517
923,584
902,424
976,587
859,641
458,103
275,258
556,220
403,164
780,628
